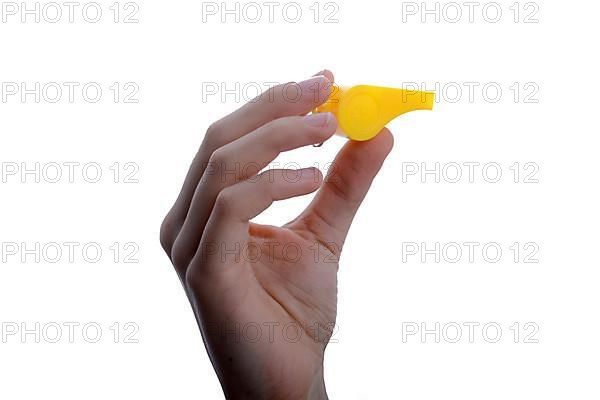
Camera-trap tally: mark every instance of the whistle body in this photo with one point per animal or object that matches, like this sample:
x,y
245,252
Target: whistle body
x,y
363,111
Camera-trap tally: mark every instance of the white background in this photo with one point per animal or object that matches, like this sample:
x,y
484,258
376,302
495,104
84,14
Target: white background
x,y
171,55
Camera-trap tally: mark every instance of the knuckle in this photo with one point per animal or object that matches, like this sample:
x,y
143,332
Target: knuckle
x,y
217,162
218,157
225,201
213,140
166,235
178,260
191,279
213,133
223,169
180,257
169,229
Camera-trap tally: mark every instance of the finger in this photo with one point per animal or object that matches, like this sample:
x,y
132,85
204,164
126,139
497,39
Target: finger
x,y
279,101
331,212
240,160
327,74
238,204
244,201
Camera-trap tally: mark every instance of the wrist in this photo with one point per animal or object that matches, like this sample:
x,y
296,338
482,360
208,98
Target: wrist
x,y
317,389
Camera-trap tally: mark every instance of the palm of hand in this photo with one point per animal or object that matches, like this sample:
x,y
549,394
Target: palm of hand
x,y
276,310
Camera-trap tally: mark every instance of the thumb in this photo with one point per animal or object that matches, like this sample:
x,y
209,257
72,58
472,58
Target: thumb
x,y
330,214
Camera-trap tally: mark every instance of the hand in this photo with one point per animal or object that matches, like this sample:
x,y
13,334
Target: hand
x,y
265,297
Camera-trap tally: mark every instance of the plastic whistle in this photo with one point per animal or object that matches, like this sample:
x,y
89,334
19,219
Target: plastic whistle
x,y
363,111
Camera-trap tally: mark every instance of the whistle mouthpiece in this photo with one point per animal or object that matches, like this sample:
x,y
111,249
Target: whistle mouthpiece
x,y
363,111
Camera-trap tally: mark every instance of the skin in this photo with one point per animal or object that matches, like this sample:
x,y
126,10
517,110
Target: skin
x,y
266,315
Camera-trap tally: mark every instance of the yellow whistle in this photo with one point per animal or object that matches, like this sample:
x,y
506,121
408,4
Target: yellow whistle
x,y
363,111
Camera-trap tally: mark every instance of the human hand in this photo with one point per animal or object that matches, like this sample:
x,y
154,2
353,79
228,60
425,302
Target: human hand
x,y
250,285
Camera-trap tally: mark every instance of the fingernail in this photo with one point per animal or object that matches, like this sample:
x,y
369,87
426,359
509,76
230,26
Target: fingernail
x,y
318,120
313,85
